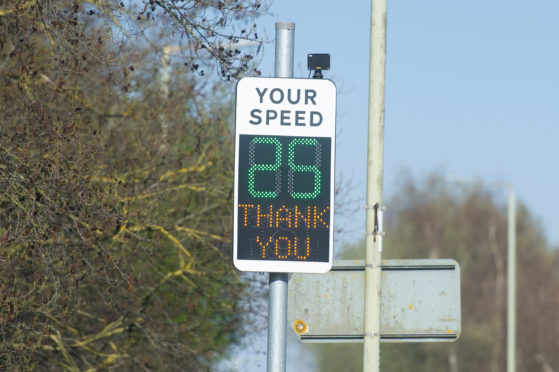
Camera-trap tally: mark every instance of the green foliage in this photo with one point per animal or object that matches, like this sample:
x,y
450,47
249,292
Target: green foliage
x,y
435,219
115,211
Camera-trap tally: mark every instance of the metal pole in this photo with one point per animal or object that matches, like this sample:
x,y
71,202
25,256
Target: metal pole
x,y
277,302
373,256
285,42
277,322
511,283
164,82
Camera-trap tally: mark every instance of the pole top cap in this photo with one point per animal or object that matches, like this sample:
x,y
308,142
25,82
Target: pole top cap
x,y
285,26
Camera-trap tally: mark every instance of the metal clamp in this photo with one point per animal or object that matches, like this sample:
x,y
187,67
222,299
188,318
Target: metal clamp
x,y
376,207
378,232
374,233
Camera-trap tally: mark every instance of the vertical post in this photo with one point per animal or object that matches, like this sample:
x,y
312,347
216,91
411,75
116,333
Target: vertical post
x,y
285,42
277,302
511,283
164,81
375,147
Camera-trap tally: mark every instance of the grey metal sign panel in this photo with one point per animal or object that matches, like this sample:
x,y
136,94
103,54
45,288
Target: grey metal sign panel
x,y
420,301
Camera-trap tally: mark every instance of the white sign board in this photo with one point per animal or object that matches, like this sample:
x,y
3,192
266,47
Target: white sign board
x,y
420,302
284,175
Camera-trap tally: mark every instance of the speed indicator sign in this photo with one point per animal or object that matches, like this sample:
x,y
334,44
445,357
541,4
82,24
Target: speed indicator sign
x,y
284,175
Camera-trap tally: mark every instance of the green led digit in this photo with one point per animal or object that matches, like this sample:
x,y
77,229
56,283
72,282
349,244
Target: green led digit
x,y
304,168
264,167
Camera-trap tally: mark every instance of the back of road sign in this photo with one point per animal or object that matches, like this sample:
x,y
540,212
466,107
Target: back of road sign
x,y
284,175
420,301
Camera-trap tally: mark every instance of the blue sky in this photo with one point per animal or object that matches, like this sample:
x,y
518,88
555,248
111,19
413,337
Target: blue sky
x,y
472,89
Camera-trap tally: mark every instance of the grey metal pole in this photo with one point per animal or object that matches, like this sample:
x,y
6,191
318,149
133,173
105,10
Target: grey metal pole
x,y
285,43
277,302
277,322
375,148
511,283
